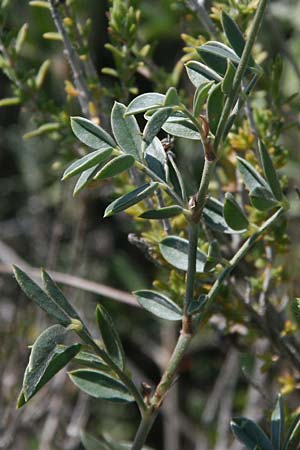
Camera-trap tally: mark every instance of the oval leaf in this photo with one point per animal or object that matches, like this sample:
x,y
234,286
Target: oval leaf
x,y
144,102
269,171
100,385
155,123
213,216
175,251
110,337
91,134
86,162
251,177
115,167
56,362
130,199
158,304
262,199
178,125
126,131
162,213
42,352
35,293
215,104
85,179
200,97
198,73
156,159
216,54
233,214
250,434
171,98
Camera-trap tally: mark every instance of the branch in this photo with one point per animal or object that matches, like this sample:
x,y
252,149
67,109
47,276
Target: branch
x,y
199,8
73,60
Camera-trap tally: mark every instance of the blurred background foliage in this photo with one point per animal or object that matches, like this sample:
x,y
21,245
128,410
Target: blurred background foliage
x,y
125,48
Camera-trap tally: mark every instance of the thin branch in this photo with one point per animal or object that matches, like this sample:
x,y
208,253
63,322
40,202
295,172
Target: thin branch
x,y
73,60
198,6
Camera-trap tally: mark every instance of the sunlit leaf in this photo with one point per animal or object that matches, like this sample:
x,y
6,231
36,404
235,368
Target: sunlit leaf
x,y
91,134
114,167
145,101
126,131
175,251
86,162
158,304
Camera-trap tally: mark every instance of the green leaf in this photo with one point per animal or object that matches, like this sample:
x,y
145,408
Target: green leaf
x,y
42,352
86,162
228,78
156,159
130,199
35,293
100,385
162,213
215,105
262,199
126,131
277,424
251,177
115,167
110,337
215,55
175,251
158,304
57,295
155,123
144,102
234,35
293,435
91,134
200,97
85,179
269,171
57,361
250,434
171,98
233,214
178,125
213,215
198,73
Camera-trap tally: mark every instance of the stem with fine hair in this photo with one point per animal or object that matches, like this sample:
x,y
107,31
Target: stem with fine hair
x,y
241,69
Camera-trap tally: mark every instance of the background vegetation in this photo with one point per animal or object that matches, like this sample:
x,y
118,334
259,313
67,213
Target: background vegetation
x,y
250,349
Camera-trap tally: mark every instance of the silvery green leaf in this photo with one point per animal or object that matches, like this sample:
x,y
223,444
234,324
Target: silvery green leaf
x,y
215,55
162,213
155,123
250,434
130,199
56,362
171,98
228,78
277,424
198,73
91,134
85,179
269,171
262,199
126,131
100,385
158,304
114,167
86,162
179,125
155,157
144,102
42,352
200,97
233,214
214,218
35,293
215,105
110,337
251,177
175,251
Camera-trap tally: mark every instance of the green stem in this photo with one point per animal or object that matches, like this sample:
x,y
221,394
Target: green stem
x,y
191,270
238,256
203,188
241,69
143,430
123,377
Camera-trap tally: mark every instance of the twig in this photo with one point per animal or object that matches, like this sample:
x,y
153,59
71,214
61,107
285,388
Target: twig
x,y
85,96
198,6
